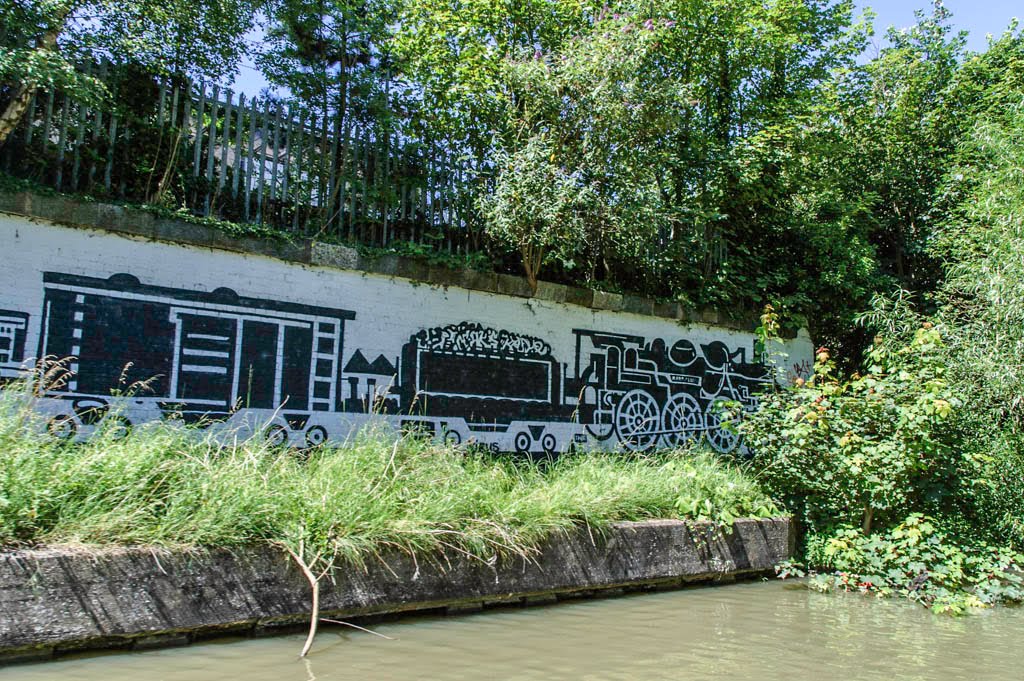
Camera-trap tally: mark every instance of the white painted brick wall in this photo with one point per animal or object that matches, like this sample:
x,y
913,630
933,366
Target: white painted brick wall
x,y
388,310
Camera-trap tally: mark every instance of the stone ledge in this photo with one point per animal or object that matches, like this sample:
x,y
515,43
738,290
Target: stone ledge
x,y
55,601
73,212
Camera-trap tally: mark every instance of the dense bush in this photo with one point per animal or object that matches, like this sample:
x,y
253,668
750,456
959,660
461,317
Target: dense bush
x,y
891,491
862,451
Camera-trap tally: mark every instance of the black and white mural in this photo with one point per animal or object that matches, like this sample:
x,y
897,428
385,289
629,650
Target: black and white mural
x,y
255,347
145,352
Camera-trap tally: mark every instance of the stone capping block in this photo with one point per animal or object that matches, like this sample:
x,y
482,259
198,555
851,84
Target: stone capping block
x,y
76,212
54,600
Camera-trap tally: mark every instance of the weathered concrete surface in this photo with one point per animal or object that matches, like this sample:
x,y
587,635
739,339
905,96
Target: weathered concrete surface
x,y
54,601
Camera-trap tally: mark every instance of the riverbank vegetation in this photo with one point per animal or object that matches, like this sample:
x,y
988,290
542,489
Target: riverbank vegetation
x,y
906,475
168,486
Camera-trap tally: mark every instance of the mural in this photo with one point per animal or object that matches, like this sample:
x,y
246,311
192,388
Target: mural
x,y
13,326
249,366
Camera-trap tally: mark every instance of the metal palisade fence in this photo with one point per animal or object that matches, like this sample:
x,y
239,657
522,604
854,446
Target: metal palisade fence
x,y
279,164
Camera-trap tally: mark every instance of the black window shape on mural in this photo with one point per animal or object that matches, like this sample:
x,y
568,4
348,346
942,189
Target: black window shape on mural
x,y
205,366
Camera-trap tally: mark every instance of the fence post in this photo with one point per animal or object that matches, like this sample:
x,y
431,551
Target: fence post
x,y
251,158
236,176
264,133
225,141
211,138
61,141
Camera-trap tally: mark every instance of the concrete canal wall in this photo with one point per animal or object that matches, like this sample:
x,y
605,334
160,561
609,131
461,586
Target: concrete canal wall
x,y
61,601
301,342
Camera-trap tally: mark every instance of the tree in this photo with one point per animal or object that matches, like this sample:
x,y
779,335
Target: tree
x,y
43,39
536,206
903,125
592,115
455,51
332,55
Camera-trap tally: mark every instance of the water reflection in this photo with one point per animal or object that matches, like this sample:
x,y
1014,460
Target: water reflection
x,y
761,631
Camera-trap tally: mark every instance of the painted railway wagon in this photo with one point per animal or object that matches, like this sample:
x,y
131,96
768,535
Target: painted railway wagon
x,y
489,386
197,354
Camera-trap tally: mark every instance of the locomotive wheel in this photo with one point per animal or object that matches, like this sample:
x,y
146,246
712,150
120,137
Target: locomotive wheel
x,y
681,420
117,426
315,436
452,437
62,427
722,439
276,435
636,416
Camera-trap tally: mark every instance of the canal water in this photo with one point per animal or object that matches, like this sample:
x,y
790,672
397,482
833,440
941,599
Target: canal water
x,y
763,631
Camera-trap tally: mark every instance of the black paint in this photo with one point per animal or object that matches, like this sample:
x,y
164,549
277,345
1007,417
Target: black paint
x,y
208,355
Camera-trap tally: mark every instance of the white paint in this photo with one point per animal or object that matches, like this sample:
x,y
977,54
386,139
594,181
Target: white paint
x,y
388,310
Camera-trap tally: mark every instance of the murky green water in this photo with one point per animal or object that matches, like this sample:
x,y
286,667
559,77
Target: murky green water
x,y
761,631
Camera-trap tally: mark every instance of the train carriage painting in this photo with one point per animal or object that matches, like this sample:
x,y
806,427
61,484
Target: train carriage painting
x,y
250,366
203,357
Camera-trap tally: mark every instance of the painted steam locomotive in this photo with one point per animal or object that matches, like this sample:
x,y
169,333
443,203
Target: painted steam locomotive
x,y
274,368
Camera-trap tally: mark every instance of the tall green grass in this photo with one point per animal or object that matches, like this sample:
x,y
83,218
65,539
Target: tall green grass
x,y
167,486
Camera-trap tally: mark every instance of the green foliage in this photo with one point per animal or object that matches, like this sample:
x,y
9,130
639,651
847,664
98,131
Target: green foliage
x,y
164,485
576,170
202,38
536,207
863,451
917,560
333,57
455,52
983,296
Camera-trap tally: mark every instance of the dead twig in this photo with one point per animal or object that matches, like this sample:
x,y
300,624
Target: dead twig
x,y
356,626
314,583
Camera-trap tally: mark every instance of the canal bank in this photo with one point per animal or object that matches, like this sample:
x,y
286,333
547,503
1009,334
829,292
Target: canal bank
x,y
765,630
59,601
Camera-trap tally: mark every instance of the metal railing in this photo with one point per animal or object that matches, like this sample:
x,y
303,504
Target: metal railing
x,y
217,153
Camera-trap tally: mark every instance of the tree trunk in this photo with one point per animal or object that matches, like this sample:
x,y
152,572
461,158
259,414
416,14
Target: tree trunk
x,y
15,110
530,267
17,107
869,516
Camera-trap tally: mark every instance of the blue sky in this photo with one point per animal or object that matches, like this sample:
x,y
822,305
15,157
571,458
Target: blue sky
x,y
979,17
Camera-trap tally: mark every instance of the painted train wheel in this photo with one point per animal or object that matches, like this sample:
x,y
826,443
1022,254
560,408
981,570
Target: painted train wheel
x,y
549,443
523,443
636,420
62,427
723,438
276,435
452,437
315,436
681,421
117,427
